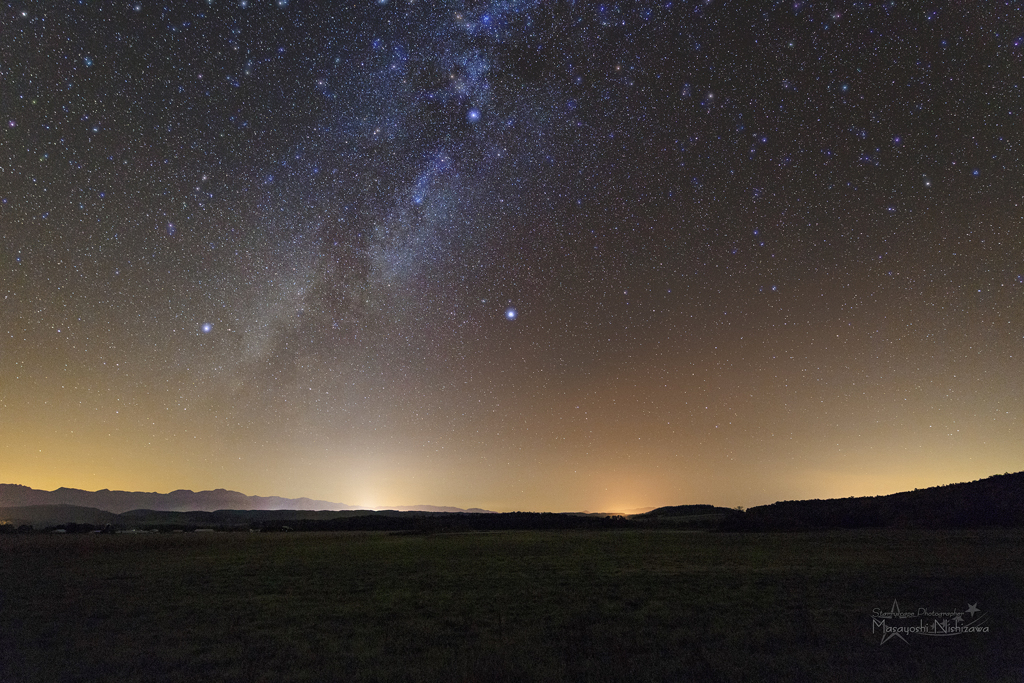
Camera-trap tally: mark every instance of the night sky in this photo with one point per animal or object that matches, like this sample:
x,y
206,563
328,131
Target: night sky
x,y
513,255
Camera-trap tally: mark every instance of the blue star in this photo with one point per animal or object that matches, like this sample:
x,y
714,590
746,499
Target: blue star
x,y
207,328
511,313
473,116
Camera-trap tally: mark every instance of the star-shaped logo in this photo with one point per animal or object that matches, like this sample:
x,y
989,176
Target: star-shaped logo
x,y
890,635
971,609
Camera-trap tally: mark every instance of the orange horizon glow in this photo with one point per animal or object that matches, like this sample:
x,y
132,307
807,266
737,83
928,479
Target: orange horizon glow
x,y
666,258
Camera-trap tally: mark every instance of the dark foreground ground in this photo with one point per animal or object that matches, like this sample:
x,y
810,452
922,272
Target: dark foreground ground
x,y
508,606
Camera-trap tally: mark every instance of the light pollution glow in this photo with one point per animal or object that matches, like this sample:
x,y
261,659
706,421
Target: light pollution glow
x,y
514,256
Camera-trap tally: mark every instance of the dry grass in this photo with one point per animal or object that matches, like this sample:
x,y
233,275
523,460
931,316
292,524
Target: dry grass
x,y
516,606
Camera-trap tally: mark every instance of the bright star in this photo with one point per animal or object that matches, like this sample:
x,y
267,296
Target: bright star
x,y
510,313
207,328
473,116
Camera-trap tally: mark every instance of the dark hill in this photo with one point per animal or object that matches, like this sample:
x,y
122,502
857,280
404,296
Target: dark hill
x,y
683,517
682,511
997,501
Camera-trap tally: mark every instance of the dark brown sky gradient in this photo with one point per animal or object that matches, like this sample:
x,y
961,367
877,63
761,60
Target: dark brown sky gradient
x,y
520,255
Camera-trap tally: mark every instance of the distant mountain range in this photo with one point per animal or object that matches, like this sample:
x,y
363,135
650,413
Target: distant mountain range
x,y
182,500
997,501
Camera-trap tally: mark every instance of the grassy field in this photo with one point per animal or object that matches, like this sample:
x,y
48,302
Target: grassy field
x,y
510,606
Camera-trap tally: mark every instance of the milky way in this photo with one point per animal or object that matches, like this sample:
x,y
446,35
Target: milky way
x,y
514,255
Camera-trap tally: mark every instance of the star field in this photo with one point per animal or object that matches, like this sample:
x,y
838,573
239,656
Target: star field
x,y
511,255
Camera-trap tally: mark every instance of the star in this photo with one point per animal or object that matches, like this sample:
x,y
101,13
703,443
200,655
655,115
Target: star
x,y
494,151
971,609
